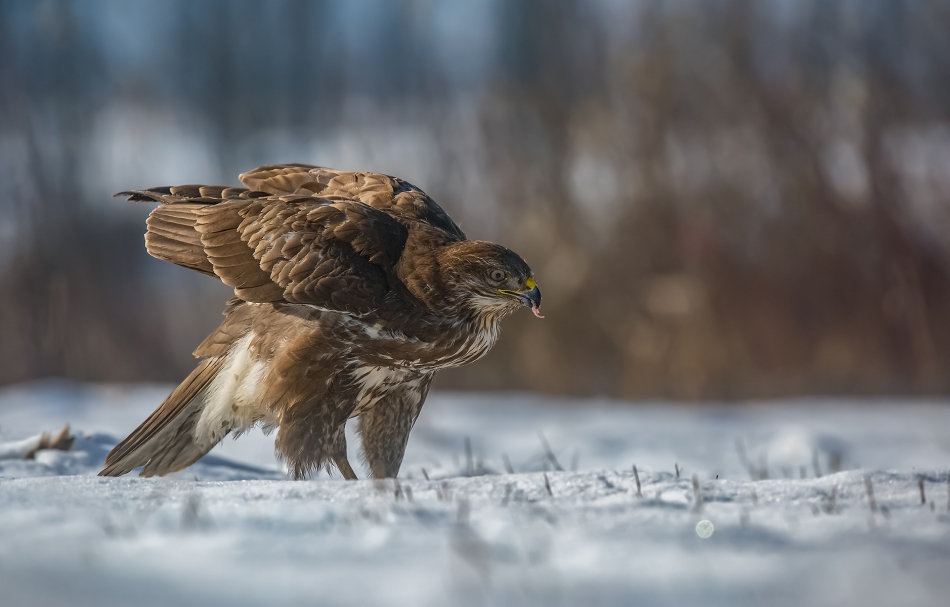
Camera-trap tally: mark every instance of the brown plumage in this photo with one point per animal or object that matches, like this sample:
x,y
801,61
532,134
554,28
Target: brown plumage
x,y
352,290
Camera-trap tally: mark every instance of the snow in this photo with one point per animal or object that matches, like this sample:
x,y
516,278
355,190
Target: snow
x,y
232,530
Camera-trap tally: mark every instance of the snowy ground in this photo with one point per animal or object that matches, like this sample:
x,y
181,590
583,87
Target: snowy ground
x,y
232,530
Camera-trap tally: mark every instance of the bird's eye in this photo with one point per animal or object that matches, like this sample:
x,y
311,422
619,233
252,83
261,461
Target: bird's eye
x,y
497,275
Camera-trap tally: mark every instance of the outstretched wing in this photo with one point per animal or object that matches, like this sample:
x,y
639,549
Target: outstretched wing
x,y
327,251
392,195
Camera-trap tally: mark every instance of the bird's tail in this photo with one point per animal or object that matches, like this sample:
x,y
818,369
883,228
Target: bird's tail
x,y
167,441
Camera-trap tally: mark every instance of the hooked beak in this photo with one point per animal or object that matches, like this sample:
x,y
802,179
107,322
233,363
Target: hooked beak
x,y
530,298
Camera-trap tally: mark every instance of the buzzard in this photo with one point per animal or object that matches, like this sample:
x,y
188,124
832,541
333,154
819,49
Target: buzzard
x,y
352,290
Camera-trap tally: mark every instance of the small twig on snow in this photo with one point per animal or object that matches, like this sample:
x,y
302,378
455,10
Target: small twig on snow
x,y
636,477
63,441
920,484
547,485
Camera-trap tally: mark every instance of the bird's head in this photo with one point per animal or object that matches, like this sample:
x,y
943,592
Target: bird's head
x,y
489,278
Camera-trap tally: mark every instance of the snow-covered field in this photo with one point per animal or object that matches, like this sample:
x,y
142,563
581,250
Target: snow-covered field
x,y
232,530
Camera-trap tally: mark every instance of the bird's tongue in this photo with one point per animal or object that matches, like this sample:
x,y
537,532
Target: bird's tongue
x,y
537,310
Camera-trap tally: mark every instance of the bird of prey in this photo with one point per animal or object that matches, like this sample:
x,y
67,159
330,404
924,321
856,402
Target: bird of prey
x,y
352,290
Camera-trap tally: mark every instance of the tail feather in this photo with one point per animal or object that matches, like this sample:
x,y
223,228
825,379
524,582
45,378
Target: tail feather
x,y
172,236
166,442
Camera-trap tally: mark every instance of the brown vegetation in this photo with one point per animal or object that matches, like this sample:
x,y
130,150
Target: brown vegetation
x,y
720,200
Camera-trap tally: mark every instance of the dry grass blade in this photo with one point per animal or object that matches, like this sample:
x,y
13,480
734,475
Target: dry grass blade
x,y
464,511
636,477
549,453
744,518
191,515
508,489
469,466
744,460
547,485
831,505
870,491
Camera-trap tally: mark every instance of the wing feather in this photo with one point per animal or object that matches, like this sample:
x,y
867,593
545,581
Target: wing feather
x,y
392,195
335,253
297,233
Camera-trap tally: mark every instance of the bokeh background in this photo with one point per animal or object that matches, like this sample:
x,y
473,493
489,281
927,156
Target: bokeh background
x,y
721,200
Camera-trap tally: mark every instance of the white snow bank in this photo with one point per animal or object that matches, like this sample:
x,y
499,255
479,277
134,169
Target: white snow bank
x,y
242,535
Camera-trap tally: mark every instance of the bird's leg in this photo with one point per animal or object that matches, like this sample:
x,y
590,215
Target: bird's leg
x,y
384,438
345,469
337,449
385,428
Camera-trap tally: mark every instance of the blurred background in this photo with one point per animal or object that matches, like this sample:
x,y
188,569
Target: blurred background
x,y
721,200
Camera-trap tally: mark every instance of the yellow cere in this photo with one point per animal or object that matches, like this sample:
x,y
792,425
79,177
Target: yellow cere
x,y
530,284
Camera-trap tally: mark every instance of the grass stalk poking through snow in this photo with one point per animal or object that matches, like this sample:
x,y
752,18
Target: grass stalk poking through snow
x,y
508,488
549,453
872,503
